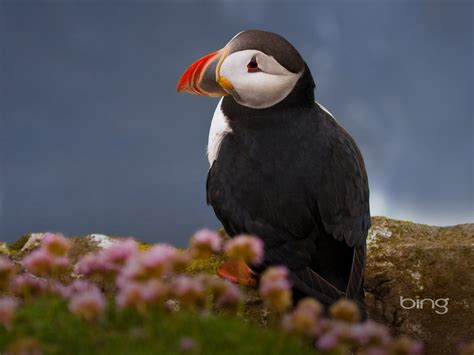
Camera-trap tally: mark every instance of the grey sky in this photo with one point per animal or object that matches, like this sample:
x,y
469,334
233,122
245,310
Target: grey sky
x,y
94,138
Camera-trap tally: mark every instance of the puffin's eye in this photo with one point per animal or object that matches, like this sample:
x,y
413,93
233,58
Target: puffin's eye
x,y
252,66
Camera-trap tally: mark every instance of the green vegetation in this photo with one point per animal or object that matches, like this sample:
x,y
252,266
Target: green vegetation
x,y
47,326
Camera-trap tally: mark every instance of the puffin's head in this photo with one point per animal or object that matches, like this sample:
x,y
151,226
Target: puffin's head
x,y
259,69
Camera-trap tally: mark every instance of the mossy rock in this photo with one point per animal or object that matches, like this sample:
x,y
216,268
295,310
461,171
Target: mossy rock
x,y
421,262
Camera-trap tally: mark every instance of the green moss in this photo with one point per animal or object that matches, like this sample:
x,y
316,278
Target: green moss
x,y
208,265
4,249
144,246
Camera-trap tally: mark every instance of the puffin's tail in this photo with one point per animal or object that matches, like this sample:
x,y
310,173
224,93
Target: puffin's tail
x,y
309,283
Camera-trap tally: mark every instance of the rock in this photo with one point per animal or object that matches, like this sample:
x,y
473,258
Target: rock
x,y
79,245
419,281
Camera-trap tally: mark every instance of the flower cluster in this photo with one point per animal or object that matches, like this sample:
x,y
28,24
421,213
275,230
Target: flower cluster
x,y
89,305
108,262
50,259
275,288
155,279
204,243
245,247
8,306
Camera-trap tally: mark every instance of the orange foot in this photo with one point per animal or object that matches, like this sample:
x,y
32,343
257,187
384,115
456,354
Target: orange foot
x,y
238,272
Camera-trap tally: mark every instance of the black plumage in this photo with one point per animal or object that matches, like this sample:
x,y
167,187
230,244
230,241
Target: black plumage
x,y
293,176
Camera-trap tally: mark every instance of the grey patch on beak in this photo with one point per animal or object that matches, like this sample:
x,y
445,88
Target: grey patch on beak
x,y
208,82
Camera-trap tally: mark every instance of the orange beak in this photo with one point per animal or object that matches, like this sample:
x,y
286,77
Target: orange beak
x,y
202,77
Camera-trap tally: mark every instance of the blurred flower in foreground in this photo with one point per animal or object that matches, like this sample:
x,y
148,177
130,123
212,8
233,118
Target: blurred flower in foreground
x,y
189,291
93,264
403,345
132,296
110,261
245,247
8,306
187,344
227,296
139,296
40,262
88,305
7,271
158,260
55,244
304,319
275,288
371,333
327,342
26,285
120,252
345,310
204,243
77,287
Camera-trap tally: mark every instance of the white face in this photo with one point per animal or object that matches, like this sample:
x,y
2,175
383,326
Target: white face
x,y
259,81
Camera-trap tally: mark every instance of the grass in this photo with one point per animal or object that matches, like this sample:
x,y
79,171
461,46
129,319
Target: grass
x,y
48,326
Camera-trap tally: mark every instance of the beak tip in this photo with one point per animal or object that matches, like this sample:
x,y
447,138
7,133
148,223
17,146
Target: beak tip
x,y
192,81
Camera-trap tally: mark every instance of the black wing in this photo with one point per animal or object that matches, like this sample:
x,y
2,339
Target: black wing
x,y
342,192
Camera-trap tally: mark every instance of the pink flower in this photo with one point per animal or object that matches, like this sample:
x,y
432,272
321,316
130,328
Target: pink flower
x,y
275,289
342,330
41,263
7,270
26,285
132,296
88,305
119,253
275,273
304,320
226,295
374,334
204,243
110,261
140,296
311,306
345,310
132,272
77,287
246,247
327,342
187,344
190,292
55,244
95,264
8,306
158,260
406,345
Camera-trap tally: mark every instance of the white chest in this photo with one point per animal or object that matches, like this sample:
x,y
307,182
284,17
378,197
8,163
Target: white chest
x,y
219,129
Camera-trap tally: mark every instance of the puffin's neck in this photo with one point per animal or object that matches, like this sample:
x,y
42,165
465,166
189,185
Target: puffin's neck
x,y
301,97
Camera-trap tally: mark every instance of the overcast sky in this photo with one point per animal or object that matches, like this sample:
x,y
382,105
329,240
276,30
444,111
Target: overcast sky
x,y
94,138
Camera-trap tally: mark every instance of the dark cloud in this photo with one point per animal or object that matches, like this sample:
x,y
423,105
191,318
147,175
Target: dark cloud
x,y
94,138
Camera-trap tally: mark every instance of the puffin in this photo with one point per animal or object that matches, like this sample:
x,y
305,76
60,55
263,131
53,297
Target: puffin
x,y
282,168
